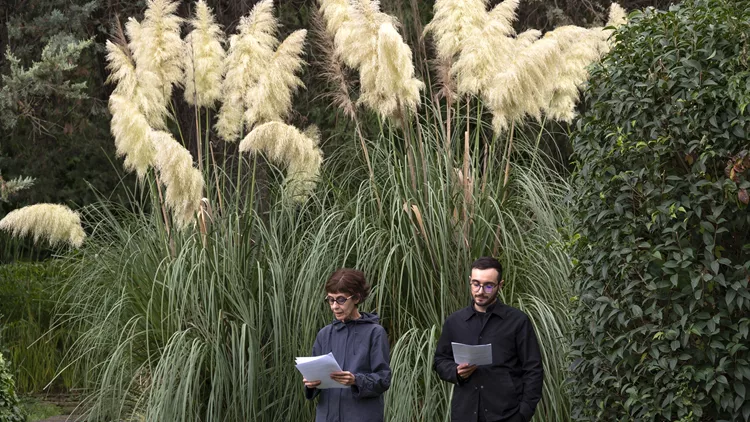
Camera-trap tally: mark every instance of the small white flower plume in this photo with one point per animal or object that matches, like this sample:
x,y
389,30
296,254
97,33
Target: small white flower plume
x,y
453,23
388,81
156,43
141,86
519,76
336,13
132,134
356,41
285,145
184,183
55,223
249,52
487,50
270,98
366,39
204,59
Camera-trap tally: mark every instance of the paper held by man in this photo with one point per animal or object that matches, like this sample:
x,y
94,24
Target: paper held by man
x,y
319,368
473,355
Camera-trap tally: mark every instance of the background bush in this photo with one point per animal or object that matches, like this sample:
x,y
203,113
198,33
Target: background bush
x,y
661,228
29,337
9,410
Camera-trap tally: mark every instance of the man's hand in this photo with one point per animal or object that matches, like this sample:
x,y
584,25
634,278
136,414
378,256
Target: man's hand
x,y
343,377
465,370
311,384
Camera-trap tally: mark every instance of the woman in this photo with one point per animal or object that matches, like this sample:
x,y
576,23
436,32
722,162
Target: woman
x,y
360,345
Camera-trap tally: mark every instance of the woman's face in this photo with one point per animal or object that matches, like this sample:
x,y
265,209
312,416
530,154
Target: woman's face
x,y
343,311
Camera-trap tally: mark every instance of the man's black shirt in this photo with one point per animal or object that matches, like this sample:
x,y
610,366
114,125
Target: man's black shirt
x,y
513,383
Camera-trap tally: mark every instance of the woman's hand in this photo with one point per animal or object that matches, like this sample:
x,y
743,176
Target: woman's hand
x,y
343,377
311,384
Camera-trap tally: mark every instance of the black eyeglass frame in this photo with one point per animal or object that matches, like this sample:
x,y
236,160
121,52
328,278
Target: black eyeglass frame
x,y
483,286
340,300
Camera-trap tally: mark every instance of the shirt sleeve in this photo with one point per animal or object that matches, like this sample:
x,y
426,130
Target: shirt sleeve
x,y
531,364
311,393
444,364
377,382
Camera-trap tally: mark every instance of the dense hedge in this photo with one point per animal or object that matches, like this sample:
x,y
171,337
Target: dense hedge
x,y
661,227
9,409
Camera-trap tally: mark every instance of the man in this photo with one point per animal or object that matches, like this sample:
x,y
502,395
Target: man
x,y
509,389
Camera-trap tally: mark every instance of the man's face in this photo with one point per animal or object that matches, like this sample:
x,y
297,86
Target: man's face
x,y
484,286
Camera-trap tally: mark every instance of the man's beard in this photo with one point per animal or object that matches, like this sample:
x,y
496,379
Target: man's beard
x,y
485,300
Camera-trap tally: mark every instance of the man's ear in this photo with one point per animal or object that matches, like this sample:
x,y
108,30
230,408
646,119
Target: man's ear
x,y
500,285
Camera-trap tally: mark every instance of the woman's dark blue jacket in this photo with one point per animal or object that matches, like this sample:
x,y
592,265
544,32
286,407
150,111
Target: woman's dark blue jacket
x,y
360,346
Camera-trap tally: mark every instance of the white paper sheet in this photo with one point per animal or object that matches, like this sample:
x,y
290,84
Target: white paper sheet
x,y
319,368
473,355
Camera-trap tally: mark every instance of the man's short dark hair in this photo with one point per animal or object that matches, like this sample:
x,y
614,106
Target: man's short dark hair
x,y
487,262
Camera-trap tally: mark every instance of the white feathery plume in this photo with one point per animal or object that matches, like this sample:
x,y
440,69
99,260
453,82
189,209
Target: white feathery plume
x,y
525,86
286,145
141,86
503,15
580,47
249,52
388,81
204,59
184,183
453,23
485,54
156,44
335,13
131,131
55,223
617,16
130,126
271,97
356,41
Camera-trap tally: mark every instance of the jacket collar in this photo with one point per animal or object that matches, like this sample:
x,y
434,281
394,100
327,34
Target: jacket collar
x,y
498,308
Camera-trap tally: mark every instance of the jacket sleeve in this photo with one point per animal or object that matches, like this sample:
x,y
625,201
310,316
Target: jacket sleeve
x,y
444,364
531,364
311,393
377,382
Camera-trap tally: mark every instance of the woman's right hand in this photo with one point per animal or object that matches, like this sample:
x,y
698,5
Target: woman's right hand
x,y
311,384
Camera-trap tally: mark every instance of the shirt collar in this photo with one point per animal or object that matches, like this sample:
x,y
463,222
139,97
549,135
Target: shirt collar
x,y
497,308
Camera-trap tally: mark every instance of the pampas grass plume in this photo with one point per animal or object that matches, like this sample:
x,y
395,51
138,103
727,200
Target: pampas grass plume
x,y
184,182
388,81
131,131
286,145
204,59
141,86
249,52
271,97
55,223
453,23
156,43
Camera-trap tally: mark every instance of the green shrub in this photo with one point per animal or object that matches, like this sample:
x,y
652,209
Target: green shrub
x,y
29,336
661,228
9,410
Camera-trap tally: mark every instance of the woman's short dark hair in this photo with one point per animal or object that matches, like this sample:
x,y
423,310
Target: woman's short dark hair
x,y
350,281
487,262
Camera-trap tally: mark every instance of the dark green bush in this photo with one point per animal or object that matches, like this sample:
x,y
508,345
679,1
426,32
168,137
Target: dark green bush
x,y
660,239
29,336
9,409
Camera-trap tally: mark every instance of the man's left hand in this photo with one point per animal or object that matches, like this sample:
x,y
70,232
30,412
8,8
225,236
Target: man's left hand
x,y
343,377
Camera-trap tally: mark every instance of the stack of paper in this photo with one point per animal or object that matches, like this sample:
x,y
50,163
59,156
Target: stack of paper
x,y
474,355
319,368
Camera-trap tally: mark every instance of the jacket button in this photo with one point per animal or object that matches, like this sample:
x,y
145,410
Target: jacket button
x,y
475,388
481,386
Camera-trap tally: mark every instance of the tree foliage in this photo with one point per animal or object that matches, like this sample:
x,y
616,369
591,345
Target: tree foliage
x,y
661,228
